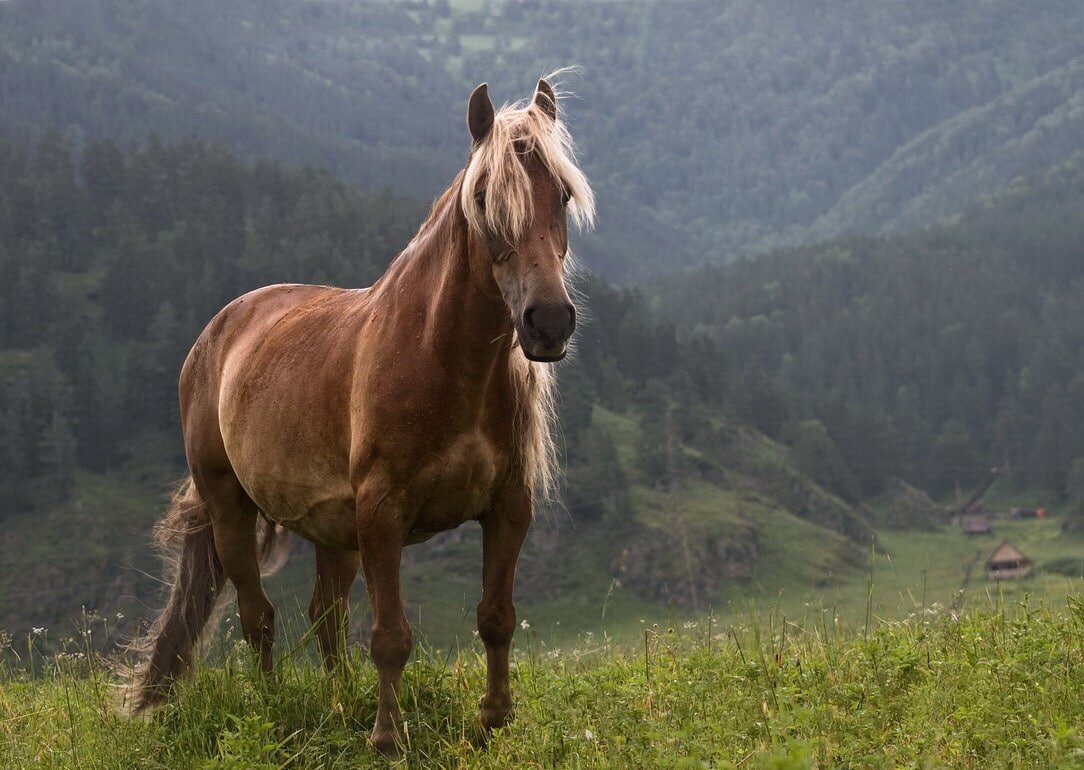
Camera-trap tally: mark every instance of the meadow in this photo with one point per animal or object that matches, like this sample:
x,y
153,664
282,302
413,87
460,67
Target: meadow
x,y
995,686
912,659
904,574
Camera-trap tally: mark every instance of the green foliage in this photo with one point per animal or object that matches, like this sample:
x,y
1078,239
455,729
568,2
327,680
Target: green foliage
x,y
1074,481
119,260
816,454
710,128
931,357
1070,566
941,690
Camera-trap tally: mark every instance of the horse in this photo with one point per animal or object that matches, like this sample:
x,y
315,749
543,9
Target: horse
x,y
366,420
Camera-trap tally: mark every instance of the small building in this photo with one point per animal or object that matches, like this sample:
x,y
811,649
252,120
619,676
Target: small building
x,y
1028,513
975,524
1008,562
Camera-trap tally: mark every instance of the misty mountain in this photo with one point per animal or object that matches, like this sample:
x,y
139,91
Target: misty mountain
x,y
710,129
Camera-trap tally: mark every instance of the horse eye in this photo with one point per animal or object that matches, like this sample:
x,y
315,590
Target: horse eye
x,y
566,196
480,199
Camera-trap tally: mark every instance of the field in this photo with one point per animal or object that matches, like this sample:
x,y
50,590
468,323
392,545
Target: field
x,y
906,574
994,687
910,659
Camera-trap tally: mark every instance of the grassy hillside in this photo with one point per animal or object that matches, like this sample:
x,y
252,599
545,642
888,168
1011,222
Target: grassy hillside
x,y
992,688
682,550
744,553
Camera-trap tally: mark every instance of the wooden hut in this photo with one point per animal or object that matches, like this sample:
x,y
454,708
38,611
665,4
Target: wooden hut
x,y
975,524
1008,562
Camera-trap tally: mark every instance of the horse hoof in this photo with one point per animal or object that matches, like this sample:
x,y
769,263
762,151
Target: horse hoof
x,y
386,743
494,718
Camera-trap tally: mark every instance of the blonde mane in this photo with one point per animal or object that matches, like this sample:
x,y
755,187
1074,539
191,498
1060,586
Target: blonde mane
x,y
496,170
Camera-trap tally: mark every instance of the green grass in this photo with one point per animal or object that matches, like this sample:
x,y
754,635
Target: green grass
x,y
995,687
908,573
90,551
801,569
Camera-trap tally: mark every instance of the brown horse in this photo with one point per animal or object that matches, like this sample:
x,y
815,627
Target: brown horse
x,y
369,419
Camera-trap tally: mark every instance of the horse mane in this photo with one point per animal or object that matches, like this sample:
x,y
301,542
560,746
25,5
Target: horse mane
x,y
521,128
495,168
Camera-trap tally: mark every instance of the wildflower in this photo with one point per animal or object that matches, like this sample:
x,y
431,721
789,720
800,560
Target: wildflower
x,y
588,735
38,631
524,625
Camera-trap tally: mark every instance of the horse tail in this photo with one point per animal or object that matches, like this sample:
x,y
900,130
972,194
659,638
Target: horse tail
x,y
197,582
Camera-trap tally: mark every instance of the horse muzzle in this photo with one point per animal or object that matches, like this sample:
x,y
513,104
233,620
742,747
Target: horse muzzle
x,y
545,329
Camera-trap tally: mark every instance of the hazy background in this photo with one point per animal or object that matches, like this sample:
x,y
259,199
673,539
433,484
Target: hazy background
x,y
838,276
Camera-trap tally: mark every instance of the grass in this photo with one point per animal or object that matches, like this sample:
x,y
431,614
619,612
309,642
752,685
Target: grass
x,y
994,687
801,568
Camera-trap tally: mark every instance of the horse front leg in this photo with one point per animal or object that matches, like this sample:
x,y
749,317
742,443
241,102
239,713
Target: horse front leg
x,y
503,531
380,540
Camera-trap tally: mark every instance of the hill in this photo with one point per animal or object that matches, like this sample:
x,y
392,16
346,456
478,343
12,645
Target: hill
x,y
932,356
710,129
998,687
119,259
725,445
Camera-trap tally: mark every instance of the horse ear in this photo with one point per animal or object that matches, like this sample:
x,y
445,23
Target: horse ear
x,y
546,99
480,113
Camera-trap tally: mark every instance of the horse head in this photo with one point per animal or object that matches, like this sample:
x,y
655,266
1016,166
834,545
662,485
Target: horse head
x,y
519,190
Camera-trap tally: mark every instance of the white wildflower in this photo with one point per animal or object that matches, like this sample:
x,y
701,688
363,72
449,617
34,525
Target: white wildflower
x,y
524,625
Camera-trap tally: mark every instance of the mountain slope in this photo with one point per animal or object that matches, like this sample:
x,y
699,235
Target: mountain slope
x,y
931,356
1036,125
709,128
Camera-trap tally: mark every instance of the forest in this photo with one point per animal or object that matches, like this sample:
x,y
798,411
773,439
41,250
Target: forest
x,y
710,129
798,300
926,358
933,356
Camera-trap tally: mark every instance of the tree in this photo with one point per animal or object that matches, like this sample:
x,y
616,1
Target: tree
x,y
816,454
953,459
596,487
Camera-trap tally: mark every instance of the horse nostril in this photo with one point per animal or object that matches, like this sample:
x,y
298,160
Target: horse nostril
x,y
553,320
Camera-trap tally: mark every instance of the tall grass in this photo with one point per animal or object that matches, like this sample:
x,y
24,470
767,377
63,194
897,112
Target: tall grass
x,y
998,687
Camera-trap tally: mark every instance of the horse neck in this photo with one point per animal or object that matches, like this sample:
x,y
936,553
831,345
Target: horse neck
x,y
440,279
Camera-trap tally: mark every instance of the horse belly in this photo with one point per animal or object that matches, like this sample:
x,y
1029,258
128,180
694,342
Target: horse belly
x,y
296,482
333,525
457,486
318,512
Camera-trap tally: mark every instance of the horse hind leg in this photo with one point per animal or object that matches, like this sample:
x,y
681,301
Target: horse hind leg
x,y
330,605
234,517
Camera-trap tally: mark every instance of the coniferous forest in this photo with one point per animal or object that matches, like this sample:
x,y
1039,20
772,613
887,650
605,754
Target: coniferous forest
x,y
704,405
926,358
